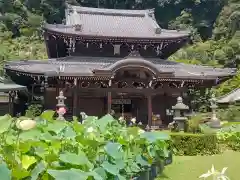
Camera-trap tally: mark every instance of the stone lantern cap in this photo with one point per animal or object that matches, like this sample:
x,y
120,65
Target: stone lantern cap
x,y
180,105
61,99
61,96
180,118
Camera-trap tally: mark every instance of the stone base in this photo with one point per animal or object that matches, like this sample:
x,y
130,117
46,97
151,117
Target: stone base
x,y
180,125
215,124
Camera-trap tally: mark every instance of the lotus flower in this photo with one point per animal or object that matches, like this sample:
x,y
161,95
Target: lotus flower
x,y
215,174
90,129
84,115
133,120
121,118
61,110
26,124
140,131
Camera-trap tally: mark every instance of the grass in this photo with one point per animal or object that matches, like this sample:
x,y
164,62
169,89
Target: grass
x,y
191,167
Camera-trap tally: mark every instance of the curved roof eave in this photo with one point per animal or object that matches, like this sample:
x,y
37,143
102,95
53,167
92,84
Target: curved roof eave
x,y
63,31
11,87
82,75
231,96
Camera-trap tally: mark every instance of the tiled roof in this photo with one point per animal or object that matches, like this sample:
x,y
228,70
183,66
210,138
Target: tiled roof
x,y
84,66
233,96
11,87
114,23
7,85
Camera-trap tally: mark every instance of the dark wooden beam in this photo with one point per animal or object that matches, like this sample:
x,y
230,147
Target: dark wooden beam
x,y
149,105
132,90
109,102
75,98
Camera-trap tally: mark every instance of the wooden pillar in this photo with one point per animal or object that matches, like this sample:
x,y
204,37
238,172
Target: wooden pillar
x,y
149,103
75,98
10,104
109,102
32,91
44,97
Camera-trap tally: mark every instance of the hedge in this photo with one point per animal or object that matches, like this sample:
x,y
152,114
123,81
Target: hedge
x,y
194,144
231,140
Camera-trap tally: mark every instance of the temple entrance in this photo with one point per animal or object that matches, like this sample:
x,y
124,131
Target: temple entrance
x,y
130,105
132,101
122,107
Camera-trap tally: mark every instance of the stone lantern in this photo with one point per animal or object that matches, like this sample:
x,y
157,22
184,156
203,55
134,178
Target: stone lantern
x,y
179,117
61,98
61,105
214,122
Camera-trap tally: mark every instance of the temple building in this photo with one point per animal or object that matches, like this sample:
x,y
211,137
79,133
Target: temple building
x,y
108,60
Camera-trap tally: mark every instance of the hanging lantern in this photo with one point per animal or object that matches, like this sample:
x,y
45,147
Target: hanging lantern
x,y
116,49
132,47
16,99
42,87
73,45
46,81
145,47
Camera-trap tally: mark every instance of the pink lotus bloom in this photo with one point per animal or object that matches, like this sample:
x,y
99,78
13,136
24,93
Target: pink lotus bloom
x,y
61,110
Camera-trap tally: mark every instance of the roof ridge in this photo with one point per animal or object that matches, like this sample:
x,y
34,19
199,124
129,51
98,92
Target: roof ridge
x,y
150,18
229,93
105,11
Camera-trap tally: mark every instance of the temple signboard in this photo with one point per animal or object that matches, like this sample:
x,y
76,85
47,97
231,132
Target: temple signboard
x,y
121,101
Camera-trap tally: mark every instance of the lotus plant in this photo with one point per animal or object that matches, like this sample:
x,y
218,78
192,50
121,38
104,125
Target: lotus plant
x,y
44,148
216,175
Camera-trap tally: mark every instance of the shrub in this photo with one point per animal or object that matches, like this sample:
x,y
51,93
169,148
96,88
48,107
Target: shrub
x,y
232,113
230,139
34,110
234,141
194,122
194,144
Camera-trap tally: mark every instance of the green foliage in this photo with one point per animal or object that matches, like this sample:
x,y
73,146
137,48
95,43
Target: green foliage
x,y
227,23
229,85
194,144
199,99
198,16
194,122
21,48
213,53
232,113
34,110
230,138
96,149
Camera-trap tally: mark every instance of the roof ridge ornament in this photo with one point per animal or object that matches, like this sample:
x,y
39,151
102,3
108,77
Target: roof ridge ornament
x,y
158,30
134,53
77,27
